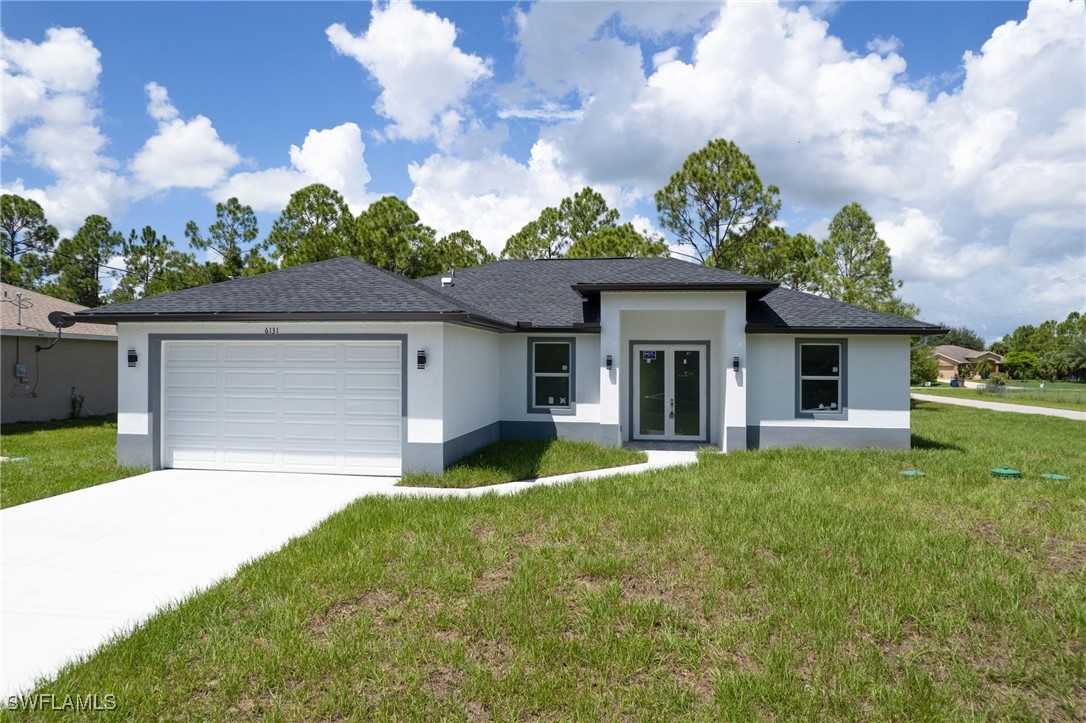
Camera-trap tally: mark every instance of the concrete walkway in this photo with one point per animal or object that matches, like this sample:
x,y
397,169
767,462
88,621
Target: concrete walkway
x,y
1003,407
82,567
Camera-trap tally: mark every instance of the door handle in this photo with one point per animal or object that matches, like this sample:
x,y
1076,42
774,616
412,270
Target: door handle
x,y
672,414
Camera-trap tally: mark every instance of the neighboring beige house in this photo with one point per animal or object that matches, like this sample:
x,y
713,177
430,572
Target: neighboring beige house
x,y
951,358
40,385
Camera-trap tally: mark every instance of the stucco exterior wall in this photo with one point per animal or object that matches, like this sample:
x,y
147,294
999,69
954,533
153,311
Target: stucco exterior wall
x,y
89,366
877,378
472,394
582,422
716,317
424,426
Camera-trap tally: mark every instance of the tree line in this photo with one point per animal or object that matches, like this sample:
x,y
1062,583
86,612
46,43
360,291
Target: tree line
x,y
1050,350
715,206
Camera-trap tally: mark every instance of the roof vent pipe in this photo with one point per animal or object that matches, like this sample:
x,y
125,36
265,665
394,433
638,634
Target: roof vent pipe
x,y
447,281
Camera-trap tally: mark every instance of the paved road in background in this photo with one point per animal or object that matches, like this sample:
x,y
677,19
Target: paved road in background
x,y
1002,407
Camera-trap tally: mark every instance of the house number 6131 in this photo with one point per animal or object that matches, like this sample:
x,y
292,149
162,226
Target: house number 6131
x,y
271,329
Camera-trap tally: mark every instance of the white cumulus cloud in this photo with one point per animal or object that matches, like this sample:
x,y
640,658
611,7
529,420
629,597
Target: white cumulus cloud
x,y
181,154
493,196
49,115
334,157
992,171
412,55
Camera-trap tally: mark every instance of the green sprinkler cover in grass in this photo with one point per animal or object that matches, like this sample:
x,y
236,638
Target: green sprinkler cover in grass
x,y
1005,472
1059,477
913,473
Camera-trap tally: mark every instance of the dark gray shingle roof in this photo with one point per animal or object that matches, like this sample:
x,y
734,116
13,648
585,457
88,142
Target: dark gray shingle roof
x,y
785,310
337,286
541,291
499,295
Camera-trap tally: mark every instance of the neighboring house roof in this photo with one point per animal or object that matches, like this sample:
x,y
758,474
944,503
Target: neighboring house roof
x,y
961,355
504,295
33,318
787,311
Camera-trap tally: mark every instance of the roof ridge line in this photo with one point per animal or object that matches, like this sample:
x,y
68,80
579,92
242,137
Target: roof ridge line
x,y
434,293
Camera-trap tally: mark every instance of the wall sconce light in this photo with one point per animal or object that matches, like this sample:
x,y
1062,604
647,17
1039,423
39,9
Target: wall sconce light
x,y
735,363
132,357
610,363
421,358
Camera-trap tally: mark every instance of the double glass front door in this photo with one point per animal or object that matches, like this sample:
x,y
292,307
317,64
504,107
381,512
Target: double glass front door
x,y
669,391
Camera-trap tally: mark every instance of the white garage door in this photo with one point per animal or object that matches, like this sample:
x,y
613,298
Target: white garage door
x,y
289,406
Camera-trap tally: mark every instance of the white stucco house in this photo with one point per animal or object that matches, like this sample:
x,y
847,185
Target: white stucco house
x,y
340,367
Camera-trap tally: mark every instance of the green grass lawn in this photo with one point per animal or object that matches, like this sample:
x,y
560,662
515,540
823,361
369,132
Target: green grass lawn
x,y
525,459
1058,396
60,456
778,584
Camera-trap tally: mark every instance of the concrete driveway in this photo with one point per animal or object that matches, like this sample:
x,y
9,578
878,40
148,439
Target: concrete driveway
x,y
81,566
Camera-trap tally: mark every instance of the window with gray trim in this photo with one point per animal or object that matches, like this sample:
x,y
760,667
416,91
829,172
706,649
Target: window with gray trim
x,y
551,374
820,383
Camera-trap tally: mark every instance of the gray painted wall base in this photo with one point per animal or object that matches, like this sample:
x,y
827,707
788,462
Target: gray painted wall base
x,y
577,431
423,457
839,438
735,438
134,450
456,449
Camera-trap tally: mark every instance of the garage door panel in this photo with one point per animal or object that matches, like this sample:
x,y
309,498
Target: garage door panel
x,y
332,407
181,379
249,429
250,353
372,380
309,431
262,379
310,459
369,354
311,353
187,457
372,407
376,432
191,427
192,353
310,405
241,404
206,404
317,381
255,456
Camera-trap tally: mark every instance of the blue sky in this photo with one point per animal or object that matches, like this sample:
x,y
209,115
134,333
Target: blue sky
x,y
957,125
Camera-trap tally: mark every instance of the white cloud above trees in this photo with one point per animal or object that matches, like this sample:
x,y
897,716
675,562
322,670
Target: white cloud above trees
x,y
412,55
181,154
49,114
334,157
980,185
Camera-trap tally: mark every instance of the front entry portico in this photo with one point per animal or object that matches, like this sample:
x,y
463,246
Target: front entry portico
x,y
670,391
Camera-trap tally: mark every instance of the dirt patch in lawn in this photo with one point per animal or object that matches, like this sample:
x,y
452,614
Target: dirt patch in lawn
x,y
1065,556
490,581
372,602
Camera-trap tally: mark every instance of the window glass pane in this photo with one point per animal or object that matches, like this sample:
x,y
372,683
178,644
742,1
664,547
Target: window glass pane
x,y
820,360
819,395
688,393
552,391
552,358
651,389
